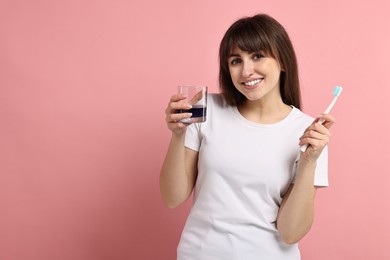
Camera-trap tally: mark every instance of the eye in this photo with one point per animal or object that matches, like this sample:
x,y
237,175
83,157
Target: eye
x,y
257,56
235,61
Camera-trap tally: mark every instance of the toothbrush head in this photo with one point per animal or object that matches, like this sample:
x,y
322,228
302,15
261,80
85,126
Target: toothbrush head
x,y
337,91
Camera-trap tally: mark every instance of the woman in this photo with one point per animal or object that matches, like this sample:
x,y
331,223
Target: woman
x,y
254,190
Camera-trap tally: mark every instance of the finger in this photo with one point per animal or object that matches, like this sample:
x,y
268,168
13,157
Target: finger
x,y
197,97
316,141
174,118
315,144
319,128
178,126
328,120
178,97
316,128
174,106
315,138
313,135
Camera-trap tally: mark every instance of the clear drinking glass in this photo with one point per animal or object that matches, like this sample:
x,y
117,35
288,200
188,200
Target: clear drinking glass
x,y
197,97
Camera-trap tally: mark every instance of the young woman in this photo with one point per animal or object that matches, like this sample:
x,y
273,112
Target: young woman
x,y
254,190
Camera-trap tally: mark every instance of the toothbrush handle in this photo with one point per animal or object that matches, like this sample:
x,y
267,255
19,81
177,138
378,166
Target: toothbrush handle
x,y
336,93
304,147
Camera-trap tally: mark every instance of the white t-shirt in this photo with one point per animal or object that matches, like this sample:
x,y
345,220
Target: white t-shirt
x,y
244,169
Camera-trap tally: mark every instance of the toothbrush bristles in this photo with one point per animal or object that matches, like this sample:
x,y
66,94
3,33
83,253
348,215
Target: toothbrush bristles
x,y
337,91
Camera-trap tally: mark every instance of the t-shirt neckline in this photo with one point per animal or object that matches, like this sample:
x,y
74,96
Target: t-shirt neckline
x,y
245,121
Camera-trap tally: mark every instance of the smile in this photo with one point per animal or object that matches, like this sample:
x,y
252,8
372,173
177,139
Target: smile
x,y
252,83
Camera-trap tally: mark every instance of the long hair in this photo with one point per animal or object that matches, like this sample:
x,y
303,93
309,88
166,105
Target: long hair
x,y
252,34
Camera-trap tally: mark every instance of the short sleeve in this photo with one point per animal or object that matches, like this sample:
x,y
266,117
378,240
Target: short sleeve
x,y
193,137
321,172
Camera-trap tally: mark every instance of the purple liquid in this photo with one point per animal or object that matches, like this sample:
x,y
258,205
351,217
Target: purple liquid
x,y
196,111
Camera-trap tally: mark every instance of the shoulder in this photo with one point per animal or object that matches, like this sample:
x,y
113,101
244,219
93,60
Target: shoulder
x,y
300,119
299,115
216,99
218,111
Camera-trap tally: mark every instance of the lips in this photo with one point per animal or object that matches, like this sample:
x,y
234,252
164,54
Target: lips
x,y
252,83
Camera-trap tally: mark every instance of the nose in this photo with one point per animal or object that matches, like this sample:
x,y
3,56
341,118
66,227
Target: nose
x,y
247,68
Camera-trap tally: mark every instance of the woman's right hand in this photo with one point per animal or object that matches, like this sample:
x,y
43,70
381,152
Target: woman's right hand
x,y
173,118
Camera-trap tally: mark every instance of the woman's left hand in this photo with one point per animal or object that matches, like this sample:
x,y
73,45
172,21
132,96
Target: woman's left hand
x,y
317,137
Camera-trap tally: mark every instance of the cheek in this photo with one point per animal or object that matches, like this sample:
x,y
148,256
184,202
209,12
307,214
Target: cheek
x,y
277,74
272,71
264,67
234,73
230,71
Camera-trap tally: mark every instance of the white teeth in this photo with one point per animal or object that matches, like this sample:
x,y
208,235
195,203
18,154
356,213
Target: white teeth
x,y
251,83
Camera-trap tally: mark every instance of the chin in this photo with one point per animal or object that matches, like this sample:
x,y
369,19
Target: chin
x,y
253,97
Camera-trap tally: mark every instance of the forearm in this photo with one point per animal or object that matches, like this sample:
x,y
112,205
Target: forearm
x,y
297,212
175,184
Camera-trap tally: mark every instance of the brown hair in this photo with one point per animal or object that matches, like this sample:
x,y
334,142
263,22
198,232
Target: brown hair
x,y
252,34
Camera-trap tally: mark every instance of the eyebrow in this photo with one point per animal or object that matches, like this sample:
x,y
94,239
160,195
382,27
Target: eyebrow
x,y
234,55
250,52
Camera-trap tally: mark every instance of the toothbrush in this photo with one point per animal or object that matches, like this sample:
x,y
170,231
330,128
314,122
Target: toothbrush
x,y
336,93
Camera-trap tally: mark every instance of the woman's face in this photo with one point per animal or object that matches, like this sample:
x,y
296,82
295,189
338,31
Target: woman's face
x,y
255,75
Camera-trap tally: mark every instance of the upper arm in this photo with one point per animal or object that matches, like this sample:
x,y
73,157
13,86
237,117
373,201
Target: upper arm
x,y
191,168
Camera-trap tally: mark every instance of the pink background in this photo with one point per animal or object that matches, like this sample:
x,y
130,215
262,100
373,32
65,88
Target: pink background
x,y
83,89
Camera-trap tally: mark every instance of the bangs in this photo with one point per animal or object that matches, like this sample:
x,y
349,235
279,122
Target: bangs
x,y
249,36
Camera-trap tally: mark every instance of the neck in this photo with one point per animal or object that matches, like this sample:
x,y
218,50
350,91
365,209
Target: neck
x,y
263,112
